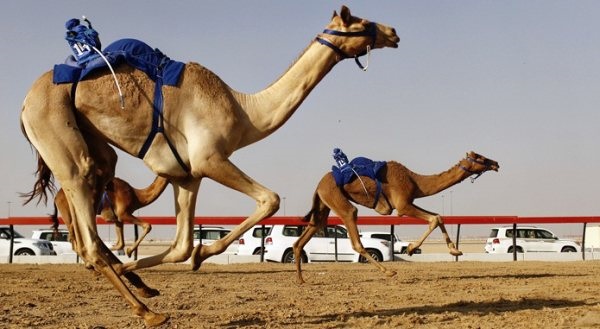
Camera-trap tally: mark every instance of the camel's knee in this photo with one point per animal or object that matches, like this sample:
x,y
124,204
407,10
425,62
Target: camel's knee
x,y
180,253
434,222
270,202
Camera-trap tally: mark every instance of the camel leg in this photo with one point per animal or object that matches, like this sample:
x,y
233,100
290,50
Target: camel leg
x,y
339,203
349,220
182,245
267,203
120,243
62,205
434,220
136,221
83,222
298,246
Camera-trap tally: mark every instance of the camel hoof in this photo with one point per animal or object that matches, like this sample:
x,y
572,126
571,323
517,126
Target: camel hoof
x,y
155,319
410,250
455,252
148,292
196,260
390,273
129,252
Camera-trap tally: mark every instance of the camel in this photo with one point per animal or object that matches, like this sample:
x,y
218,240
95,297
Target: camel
x,y
204,122
121,201
398,190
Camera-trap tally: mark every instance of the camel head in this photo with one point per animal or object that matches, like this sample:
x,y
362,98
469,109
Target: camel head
x,y
350,36
475,164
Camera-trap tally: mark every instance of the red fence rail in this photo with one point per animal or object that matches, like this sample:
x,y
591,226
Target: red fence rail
x,y
362,220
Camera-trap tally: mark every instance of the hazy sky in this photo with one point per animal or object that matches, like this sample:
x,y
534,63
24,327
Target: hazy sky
x,y
516,81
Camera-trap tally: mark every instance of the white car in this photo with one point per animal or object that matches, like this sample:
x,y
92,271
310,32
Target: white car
x,y
210,234
529,239
60,241
400,247
250,243
23,246
322,246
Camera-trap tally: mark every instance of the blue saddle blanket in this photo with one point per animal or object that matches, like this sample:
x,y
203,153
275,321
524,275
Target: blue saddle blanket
x,y
133,52
358,166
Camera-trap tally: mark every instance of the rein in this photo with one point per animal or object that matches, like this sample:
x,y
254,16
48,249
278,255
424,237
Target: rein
x,y
472,172
369,31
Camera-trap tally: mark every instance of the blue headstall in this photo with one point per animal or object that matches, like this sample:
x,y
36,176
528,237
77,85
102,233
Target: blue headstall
x,y
369,31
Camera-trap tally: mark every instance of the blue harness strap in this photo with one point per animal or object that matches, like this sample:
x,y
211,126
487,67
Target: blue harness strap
x,y
159,68
158,126
345,171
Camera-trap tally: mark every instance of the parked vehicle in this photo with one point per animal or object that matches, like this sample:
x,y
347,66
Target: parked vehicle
x,y
400,247
60,241
528,239
23,246
210,234
250,242
322,246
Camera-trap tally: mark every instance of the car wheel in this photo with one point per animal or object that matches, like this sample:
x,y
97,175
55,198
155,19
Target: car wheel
x,y
377,256
288,257
568,249
24,252
519,250
404,250
258,251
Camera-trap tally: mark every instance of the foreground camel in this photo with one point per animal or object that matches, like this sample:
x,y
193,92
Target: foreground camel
x,y
204,122
399,188
121,201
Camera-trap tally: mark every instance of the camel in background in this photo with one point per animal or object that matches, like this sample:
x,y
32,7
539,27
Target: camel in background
x,y
205,121
117,206
399,188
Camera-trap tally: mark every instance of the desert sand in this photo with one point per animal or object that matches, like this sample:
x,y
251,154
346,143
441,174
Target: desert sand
x,y
337,295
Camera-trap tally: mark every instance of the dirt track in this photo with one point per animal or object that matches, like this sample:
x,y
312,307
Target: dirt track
x,y
423,295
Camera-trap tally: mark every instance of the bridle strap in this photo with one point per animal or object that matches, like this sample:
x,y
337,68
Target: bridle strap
x,y
369,31
472,172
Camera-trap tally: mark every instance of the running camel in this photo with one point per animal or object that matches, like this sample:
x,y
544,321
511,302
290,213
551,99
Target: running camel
x,y
399,187
205,121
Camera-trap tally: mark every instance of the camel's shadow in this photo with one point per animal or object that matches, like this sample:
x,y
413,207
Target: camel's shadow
x,y
463,307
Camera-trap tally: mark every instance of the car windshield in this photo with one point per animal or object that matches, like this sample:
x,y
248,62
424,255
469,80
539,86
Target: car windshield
x,y
6,232
383,236
494,233
544,234
259,232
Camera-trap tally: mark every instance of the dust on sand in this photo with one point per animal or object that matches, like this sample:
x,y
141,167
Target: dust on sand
x,y
264,295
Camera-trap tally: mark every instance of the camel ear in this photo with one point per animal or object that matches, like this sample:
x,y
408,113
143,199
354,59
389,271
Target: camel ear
x,y
334,14
345,15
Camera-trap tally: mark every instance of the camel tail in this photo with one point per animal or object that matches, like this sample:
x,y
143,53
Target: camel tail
x,y
315,208
43,184
149,194
54,219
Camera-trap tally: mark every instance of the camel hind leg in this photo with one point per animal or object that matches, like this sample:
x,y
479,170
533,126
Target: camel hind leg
x,y
50,125
339,203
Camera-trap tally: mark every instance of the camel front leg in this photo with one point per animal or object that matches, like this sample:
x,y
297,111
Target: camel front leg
x,y
350,222
434,220
136,221
267,203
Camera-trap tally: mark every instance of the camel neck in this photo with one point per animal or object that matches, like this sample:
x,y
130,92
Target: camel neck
x,y
270,108
432,184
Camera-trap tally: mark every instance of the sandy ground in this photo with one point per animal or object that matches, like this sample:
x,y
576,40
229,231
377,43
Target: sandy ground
x,y
264,295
